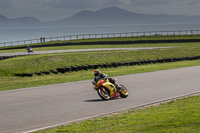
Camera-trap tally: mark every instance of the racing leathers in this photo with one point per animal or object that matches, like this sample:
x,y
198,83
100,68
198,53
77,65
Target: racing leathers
x,y
105,76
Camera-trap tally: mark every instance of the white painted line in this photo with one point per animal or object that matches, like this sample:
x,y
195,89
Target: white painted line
x,y
134,107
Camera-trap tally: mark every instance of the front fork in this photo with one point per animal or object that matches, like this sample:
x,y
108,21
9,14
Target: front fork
x,y
95,88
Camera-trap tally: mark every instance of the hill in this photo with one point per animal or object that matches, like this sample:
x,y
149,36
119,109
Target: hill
x,y
18,22
115,15
105,16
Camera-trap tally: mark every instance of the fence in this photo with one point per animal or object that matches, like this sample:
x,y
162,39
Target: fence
x,y
103,35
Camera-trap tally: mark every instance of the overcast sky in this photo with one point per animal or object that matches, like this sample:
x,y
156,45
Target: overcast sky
x,y
47,10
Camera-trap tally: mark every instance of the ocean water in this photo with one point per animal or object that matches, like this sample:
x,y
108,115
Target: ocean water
x,y
22,33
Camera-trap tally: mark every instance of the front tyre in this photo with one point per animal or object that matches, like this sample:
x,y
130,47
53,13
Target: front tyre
x,y
123,92
104,93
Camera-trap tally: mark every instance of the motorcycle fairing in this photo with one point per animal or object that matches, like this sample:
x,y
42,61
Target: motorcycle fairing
x,y
108,85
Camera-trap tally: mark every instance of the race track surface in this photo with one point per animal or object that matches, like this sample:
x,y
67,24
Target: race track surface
x,y
80,50
34,108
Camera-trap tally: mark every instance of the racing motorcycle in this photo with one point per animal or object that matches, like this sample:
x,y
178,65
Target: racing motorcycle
x,y
29,49
106,90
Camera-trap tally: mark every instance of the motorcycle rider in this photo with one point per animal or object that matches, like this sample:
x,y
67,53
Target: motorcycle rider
x,y
29,49
98,75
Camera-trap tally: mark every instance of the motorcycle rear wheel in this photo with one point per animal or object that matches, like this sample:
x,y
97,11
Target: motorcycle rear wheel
x,y
123,92
104,94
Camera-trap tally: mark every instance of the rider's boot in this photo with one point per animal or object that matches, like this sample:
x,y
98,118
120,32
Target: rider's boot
x,y
118,87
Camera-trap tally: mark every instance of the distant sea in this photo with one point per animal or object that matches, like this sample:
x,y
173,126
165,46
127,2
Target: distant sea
x,y
22,33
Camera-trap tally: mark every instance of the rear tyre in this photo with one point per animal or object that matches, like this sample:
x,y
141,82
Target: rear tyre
x,y
105,95
123,92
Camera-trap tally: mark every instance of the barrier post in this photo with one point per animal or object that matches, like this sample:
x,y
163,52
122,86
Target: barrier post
x,y
102,35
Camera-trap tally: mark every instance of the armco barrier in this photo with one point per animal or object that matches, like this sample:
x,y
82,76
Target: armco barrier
x,y
105,42
102,43
100,35
114,64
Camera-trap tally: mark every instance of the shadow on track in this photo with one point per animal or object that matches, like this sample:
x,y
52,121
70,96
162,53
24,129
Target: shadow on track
x,y
94,100
99,100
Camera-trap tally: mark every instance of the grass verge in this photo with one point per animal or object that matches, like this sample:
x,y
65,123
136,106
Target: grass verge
x,y
177,116
156,37
194,44
46,62
8,83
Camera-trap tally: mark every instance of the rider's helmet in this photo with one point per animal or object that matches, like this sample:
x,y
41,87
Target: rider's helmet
x,y
97,72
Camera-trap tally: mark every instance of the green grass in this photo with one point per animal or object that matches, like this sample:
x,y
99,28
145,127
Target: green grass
x,y
100,46
177,116
9,83
46,62
180,116
135,38
105,46
156,37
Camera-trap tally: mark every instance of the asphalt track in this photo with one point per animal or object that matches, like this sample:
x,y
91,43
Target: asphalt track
x,y
80,50
30,109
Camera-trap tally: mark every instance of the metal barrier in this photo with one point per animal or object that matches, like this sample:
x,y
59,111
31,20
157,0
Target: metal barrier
x,y
95,36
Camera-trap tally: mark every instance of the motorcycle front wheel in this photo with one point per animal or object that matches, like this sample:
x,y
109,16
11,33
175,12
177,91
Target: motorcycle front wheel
x,y
104,93
123,92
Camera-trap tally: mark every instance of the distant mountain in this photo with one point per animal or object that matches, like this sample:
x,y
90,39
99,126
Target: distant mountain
x,y
16,22
105,16
112,15
115,15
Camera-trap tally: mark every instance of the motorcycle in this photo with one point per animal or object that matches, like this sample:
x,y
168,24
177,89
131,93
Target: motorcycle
x,y
29,49
106,90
